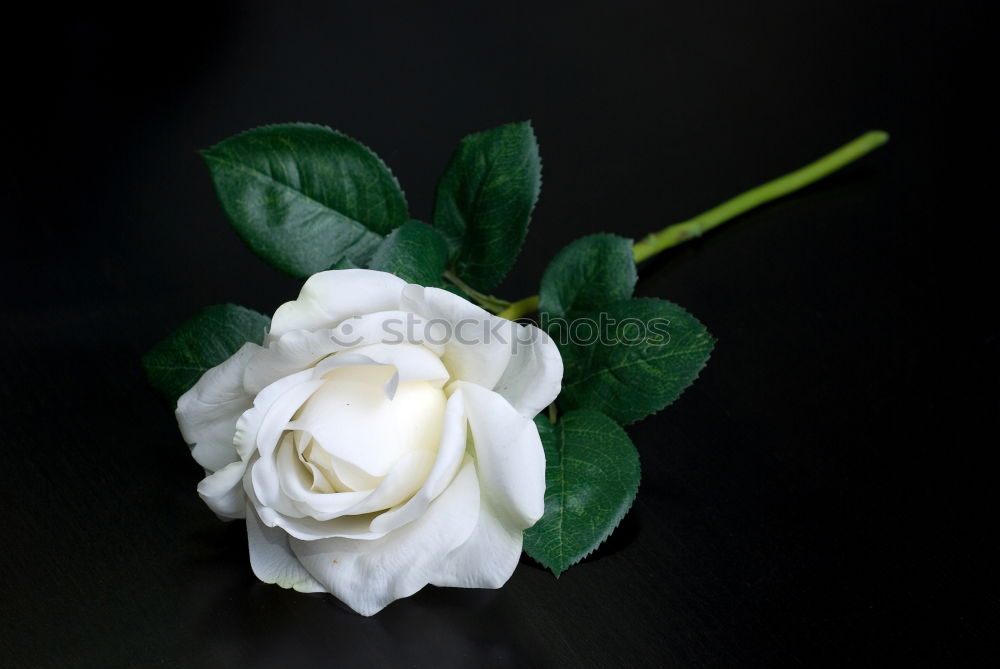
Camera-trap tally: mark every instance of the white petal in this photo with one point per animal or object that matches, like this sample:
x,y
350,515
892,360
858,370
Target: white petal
x,y
368,575
262,477
296,481
414,362
272,560
394,328
306,528
450,450
533,377
400,483
207,413
509,456
323,480
404,479
222,491
478,346
487,559
327,298
294,352
309,529
249,425
352,419
301,349
348,476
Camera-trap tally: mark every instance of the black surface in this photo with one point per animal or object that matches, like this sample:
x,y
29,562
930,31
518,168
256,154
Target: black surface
x,y
821,497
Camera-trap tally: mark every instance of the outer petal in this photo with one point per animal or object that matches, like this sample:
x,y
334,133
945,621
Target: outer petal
x,y
509,457
478,346
222,491
487,559
327,298
207,413
368,575
533,377
293,352
272,560
300,349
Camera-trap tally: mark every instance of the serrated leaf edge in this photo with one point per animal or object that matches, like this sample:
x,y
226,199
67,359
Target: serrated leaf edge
x,y
569,312
531,211
697,373
557,571
319,126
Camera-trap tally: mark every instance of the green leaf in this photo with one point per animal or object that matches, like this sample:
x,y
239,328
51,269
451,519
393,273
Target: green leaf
x,y
175,364
303,196
591,478
414,252
587,274
484,201
631,359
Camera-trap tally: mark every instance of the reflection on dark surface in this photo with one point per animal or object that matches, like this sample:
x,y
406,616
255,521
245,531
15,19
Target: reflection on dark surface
x,y
241,622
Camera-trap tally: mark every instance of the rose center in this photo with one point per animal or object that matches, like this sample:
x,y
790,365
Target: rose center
x,y
352,430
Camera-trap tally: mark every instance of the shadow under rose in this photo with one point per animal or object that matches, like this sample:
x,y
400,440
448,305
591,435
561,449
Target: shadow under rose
x,y
235,620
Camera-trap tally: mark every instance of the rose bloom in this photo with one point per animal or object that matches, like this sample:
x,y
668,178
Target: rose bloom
x,y
381,439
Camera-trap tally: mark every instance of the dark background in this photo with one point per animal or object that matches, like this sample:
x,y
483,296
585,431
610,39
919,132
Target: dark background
x,y
822,496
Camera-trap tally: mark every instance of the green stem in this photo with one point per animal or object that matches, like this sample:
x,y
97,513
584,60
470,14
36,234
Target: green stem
x,y
520,308
772,190
488,302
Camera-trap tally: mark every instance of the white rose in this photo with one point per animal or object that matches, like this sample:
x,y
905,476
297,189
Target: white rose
x,y
368,467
